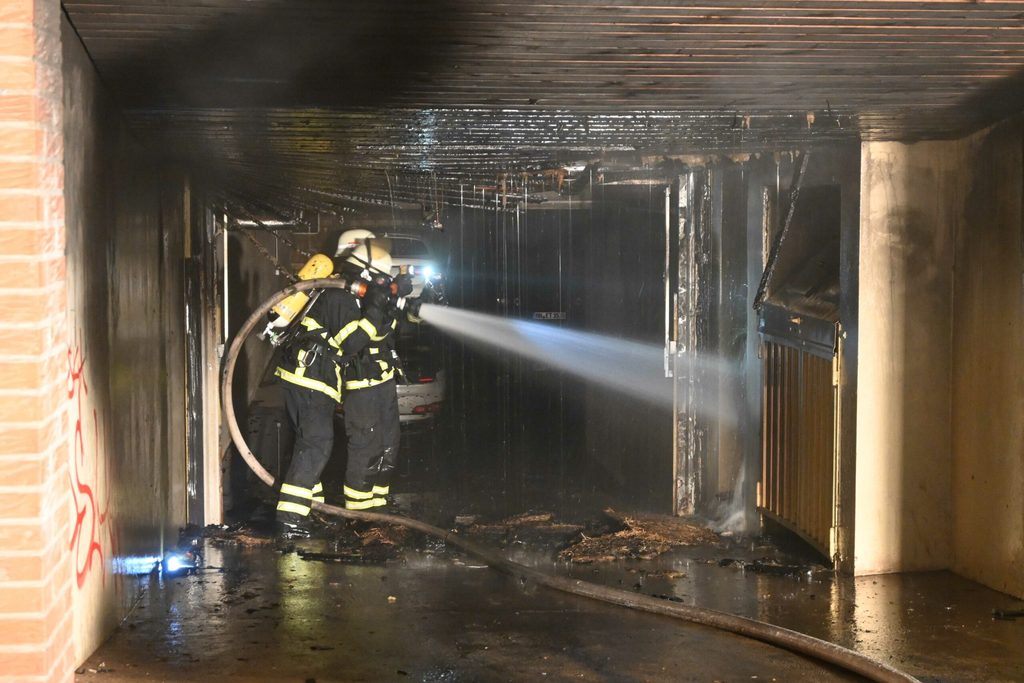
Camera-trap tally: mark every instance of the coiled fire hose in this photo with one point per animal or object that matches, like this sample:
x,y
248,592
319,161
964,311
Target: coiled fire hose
x,y
809,646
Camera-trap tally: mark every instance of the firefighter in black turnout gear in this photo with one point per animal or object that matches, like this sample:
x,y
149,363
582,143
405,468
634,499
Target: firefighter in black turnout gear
x,y
369,386
344,351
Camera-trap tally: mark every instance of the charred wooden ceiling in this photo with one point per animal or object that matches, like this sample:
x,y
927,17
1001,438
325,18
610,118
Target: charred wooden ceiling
x,y
348,97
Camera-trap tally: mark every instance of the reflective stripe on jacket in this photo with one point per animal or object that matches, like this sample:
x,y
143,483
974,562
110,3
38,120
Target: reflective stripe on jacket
x,y
315,368
344,346
374,364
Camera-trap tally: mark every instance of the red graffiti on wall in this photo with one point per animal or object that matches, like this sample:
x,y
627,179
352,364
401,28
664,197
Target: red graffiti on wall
x,y
91,516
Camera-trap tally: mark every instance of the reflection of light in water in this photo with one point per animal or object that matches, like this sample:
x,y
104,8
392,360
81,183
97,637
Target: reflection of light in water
x,y
527,556
878,616
134,566
629,367
174,634
302,590
837,625
417,560
214,556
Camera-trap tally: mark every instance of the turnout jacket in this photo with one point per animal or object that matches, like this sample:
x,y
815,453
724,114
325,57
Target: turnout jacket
x,y
340,346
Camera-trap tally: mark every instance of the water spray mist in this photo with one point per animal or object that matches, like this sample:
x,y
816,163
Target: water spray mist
x,y
629,367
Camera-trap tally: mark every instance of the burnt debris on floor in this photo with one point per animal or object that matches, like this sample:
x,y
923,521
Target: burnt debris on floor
x,y
361,544
242,534
608,537
533,529
331,541
642,537
605,538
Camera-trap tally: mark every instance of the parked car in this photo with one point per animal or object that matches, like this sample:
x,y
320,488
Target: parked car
x,y
421,397
411,254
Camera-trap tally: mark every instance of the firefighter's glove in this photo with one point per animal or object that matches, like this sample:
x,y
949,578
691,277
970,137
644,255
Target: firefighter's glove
x,y
434,295
402,285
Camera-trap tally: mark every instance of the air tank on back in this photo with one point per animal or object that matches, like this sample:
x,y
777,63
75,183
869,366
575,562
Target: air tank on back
x,y
318,266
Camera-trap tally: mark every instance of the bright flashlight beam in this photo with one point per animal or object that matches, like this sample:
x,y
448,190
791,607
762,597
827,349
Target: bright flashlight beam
x,y
626,366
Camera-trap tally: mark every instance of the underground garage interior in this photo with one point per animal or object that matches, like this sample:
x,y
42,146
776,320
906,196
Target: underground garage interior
x,y
706,320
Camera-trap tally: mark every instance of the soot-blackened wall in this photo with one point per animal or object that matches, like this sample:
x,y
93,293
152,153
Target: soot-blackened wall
x,y
126,360
539,437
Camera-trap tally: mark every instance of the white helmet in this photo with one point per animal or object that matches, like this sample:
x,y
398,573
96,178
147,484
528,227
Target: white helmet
x,y
372,255
350,239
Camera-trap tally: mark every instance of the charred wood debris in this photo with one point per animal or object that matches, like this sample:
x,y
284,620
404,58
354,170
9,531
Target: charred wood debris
x,y
610,537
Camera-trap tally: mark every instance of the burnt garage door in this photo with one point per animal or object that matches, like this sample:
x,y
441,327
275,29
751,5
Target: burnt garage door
x,y
798,324
798,446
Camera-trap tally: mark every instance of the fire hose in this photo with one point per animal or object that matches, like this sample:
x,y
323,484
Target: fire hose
x,y
793,641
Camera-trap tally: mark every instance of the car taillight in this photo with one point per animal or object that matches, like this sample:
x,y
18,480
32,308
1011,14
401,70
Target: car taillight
x,y
427,409
426,380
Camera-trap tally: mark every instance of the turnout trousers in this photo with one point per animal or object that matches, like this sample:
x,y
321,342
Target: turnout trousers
x,y
312,415
372,427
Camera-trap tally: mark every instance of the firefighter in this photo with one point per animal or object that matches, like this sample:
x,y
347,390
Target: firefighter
x,y
369,388
337,334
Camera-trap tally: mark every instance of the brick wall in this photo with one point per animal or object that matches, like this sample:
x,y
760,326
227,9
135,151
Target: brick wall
x,y
35,573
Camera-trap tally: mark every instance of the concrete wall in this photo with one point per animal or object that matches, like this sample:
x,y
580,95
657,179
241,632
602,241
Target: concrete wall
x,y
124,353
911,208
988,368
940,440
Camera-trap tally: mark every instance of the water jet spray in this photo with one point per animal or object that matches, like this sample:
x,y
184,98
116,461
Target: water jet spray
x,y
622,365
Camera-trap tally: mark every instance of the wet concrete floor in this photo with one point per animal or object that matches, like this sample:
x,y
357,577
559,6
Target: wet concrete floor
x,y
258,614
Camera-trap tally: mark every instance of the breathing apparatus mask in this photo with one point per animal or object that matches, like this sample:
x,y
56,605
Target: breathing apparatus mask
x,y
367,264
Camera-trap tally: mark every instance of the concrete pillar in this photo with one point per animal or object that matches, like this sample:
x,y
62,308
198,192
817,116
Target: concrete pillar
x,y
911,203
35,511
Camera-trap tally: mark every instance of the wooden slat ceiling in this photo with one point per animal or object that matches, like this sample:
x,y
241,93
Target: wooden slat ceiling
x,y
323,93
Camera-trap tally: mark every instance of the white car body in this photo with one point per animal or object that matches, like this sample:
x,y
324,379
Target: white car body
x,y
422,396
421,401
